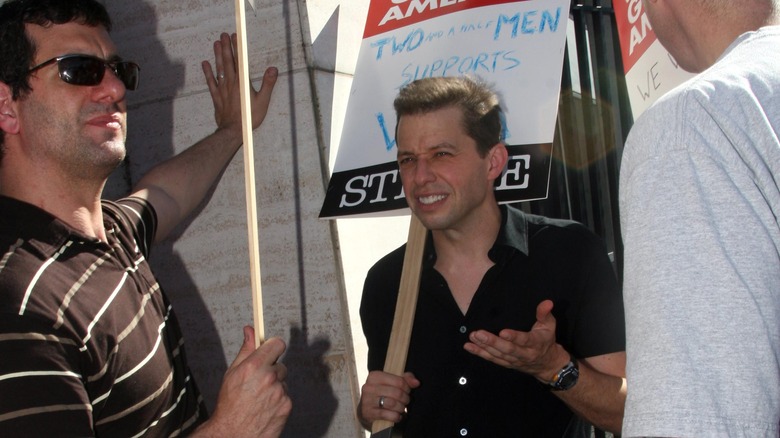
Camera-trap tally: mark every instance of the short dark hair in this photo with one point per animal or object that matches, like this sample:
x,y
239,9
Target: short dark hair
x,y
478,103
17,51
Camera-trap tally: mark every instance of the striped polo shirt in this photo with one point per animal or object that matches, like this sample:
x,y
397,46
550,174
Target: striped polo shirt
x,y
89,344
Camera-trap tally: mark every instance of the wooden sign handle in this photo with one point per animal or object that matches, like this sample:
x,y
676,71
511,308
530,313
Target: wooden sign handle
x,y
398,347
249,174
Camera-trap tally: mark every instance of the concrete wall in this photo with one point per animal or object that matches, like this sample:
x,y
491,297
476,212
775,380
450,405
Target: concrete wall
x,y
312,270
362,241
204,265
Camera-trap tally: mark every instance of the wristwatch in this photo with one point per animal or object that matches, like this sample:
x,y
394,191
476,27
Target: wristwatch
x,y
567,377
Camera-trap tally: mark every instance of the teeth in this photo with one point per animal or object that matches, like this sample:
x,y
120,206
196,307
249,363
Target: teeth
x,y
430,199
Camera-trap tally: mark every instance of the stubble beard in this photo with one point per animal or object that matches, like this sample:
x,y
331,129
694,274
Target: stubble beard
x,y
88,158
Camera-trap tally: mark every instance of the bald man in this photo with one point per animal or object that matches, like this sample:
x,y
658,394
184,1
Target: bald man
x,y
699,204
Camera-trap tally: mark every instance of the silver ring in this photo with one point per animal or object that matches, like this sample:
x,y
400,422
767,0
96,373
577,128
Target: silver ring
x,y
382,402
220,76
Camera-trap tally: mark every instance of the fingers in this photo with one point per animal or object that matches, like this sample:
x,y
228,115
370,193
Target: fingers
x,y
217,79
234,47
261,99
209,75
490,347
267,354
385,396
223,84
253,399
247,347
224,54
544,311
411,380
534,352
226,62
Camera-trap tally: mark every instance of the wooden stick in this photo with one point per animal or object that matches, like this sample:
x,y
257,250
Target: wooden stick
x,y
249,174
408,289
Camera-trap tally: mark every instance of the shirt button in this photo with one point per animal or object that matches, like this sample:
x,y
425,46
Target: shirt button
x,y
464,432
462,329
462,380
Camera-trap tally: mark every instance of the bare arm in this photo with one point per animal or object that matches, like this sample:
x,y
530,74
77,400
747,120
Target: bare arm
x,y
600,393
177,186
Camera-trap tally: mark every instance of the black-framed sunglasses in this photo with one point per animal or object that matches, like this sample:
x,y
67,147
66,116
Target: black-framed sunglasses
x,y
89,70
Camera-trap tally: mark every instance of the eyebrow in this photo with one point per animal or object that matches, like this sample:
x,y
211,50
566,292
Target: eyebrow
x,y
437,147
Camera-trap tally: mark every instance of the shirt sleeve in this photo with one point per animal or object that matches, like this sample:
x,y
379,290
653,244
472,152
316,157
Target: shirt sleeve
x,y
599,327
141,218
700,277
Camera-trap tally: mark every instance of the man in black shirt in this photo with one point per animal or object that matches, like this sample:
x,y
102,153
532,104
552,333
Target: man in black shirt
x,y
519,325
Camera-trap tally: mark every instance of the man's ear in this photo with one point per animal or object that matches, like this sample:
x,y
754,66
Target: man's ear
x,y
498,157
8,114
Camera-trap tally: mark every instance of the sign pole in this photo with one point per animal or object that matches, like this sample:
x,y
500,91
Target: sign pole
x,y
249,174
403,320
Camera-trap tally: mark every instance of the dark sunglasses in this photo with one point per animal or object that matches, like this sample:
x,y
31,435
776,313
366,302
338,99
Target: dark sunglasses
x,y
89,70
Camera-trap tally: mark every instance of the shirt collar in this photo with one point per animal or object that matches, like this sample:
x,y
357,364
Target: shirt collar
x,y
513,234
40,228
514,229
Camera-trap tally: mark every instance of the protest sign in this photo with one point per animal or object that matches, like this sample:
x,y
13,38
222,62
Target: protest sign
x,y
515,46
650,70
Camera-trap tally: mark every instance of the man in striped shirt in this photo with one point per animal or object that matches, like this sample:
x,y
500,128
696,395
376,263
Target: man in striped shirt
x,y
89,344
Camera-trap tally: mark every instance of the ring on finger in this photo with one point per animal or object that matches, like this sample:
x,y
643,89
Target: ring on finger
x,y
382,402
220,76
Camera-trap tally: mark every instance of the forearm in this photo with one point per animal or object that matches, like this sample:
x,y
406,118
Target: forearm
x,y
597,397
178,185
209,429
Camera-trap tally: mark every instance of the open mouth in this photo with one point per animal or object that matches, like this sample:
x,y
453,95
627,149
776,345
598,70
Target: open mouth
x,y
427,200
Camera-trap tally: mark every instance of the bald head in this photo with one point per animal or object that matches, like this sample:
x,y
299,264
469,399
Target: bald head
x,y
696,32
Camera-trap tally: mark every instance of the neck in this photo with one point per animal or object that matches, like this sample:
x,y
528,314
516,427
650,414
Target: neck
x,y
77,203
718,28
470,241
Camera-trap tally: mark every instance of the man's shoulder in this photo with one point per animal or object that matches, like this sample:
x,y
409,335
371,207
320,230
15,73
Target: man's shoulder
x,y
26,226
390,262
536,223
135,217
129,209
554,234
21,261
547,221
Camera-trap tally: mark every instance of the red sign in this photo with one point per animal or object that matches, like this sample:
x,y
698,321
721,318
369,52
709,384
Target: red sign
x,y
387,15
636,34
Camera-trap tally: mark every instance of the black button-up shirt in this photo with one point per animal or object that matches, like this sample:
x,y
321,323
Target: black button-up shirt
x,y
535,258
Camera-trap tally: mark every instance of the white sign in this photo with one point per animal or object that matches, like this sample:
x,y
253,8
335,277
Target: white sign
x,y
515,46
650,69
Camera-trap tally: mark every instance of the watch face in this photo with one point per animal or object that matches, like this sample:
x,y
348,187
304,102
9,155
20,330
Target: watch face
x,y
567,377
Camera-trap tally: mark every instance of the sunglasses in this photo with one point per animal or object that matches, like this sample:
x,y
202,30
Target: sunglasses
x,y
89,70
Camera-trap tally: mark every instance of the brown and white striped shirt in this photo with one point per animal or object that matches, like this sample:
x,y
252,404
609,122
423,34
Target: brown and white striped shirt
x,y
89,344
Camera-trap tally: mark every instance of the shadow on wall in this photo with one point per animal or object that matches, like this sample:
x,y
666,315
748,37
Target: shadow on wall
x,y
308,385
309,372
135,35
151,140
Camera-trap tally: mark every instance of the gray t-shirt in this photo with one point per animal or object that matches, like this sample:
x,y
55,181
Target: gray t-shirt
x,y
700,203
